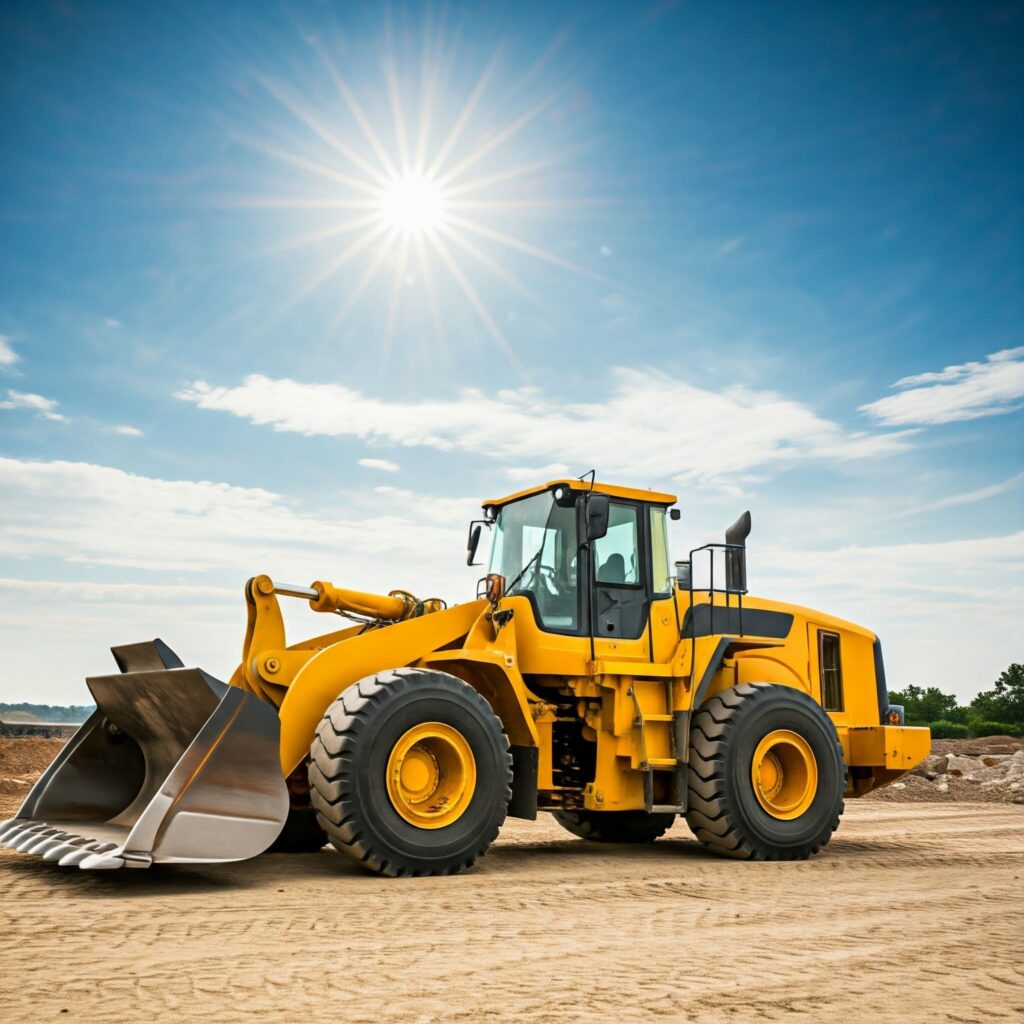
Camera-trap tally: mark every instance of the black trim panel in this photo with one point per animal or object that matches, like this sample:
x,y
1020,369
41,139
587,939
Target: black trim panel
x,y
756,621
880,688
525,764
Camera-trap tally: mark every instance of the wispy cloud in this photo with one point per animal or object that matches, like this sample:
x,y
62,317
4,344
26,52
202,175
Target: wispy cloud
x,y
125,520
965,498
643,425
45,407
8,357
966,391
127,431
384,465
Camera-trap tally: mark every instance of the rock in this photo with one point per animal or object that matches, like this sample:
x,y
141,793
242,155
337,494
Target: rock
x,y
943,787
899,785
931,776
957,764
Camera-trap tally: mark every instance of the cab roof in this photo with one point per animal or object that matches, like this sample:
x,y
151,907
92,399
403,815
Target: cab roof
x,y
612,490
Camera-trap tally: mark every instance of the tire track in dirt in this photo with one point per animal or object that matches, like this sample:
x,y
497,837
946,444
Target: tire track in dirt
x,y
547,929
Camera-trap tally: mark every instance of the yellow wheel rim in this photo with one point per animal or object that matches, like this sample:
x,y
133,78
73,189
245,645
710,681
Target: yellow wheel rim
x,y
431,775
785,774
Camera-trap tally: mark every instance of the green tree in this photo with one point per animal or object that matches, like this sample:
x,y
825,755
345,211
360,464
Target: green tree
x,y
1005,701
930,704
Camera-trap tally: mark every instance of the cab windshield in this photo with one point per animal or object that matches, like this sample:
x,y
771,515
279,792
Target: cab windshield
x,y
535,548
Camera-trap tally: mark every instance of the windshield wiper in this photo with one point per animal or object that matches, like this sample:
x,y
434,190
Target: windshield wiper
x,y
525,568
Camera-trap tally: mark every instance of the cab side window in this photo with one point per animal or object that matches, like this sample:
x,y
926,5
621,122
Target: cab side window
x,y
620,606
617,552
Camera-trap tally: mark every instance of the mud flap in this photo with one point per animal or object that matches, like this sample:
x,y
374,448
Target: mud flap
x,y
173,766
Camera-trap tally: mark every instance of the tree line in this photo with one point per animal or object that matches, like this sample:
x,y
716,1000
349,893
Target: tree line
x,y
995,712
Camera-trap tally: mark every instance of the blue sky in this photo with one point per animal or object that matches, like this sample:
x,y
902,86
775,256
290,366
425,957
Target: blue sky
x,y
768,257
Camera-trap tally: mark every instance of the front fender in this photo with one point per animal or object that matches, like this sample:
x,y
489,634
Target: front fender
x,y
337,667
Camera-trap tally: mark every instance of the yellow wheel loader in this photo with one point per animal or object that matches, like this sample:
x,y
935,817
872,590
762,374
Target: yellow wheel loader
x,y
587,679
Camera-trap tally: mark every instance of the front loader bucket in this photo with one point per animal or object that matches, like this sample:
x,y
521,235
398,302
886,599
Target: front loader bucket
x,y
173,766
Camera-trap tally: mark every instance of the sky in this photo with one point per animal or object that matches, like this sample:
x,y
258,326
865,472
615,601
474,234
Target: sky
x,y
292,288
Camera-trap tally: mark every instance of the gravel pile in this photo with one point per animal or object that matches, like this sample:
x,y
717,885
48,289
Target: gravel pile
x,y
989,771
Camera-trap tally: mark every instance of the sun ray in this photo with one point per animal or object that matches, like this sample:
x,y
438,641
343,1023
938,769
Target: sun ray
x,y
509,174
474,299
398,120
357,112
531,250
493,142
321,235
428,286
461,121
397,284
318,129
331,268
429,75
491,264
314,167
364,281
295,203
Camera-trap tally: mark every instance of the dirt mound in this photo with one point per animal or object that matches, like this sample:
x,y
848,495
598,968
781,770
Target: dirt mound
x,y
973,771
23,760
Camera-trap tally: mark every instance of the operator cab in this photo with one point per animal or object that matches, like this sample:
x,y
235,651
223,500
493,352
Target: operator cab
x,y
574,550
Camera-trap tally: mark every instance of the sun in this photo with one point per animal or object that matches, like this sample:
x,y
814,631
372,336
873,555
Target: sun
x,y
412,204
434,205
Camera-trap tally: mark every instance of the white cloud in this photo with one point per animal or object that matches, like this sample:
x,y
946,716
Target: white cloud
x,y
124,520
126,431
964,498
45,407
186,549
537,474
948,612
8,357
644,425
384,465
729,245
606,250
966,391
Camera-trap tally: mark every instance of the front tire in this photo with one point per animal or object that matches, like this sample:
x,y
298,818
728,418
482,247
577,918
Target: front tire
x,y
766,774
410,773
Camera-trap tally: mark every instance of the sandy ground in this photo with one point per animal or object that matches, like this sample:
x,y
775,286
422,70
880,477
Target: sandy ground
x,y
912,914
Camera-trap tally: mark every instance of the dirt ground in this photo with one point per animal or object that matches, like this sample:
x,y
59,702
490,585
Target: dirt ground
x,y
913,913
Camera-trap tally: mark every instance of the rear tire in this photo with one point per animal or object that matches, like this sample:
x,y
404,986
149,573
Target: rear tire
x,y
440,805
615,826
735,816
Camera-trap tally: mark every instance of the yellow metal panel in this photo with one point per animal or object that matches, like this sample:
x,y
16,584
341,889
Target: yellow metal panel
x,y
894,747
629,493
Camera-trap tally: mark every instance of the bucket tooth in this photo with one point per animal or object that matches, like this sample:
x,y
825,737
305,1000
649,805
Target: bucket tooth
x,y
15,837
37,844
102,860
55,854
73,859
27,842
40,849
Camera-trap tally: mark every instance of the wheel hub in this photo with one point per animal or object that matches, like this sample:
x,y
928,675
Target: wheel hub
x,y
785,774
431,775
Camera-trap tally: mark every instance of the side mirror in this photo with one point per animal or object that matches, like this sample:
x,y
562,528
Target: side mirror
x,y
474,542
684,575
598,509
